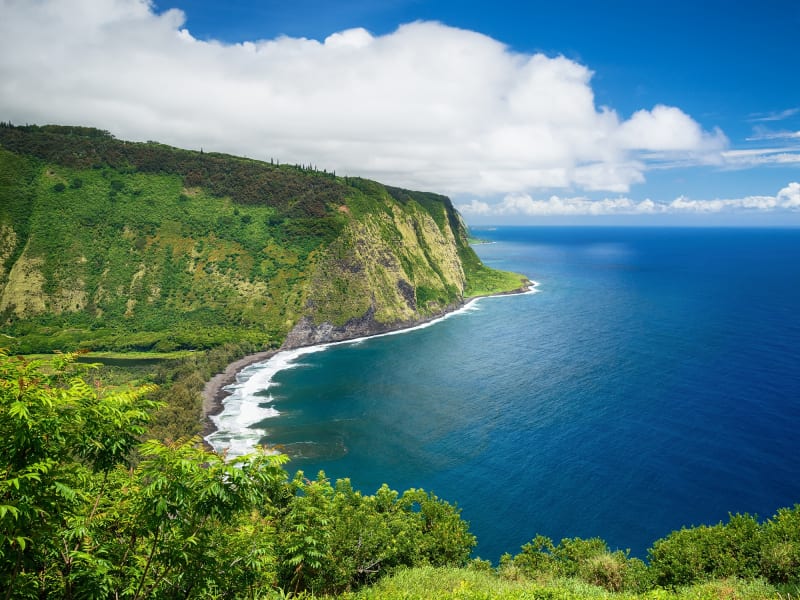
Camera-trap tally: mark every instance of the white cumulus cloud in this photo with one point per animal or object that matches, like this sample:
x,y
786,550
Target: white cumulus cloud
x,y
667,128
787,198
523,204
426,106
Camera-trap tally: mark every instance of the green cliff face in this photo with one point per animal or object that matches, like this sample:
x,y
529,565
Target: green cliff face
x,y
394,263
107,244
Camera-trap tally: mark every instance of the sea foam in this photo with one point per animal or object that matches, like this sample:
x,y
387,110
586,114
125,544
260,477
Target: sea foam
x,y
250,403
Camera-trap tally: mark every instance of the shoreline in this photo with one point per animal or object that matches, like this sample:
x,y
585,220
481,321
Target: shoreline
x,y
214,392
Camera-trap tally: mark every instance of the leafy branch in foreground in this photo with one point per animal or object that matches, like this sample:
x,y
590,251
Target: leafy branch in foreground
x,y
88,510
78,517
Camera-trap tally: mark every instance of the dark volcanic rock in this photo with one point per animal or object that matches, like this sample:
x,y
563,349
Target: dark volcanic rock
x,y
306,333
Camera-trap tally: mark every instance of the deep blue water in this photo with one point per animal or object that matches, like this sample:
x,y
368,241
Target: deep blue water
x,y
653,382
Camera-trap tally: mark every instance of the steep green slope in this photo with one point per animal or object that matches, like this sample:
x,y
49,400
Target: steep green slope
x,y
106,244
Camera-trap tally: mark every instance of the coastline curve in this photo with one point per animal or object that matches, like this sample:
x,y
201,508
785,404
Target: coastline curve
x,y
230,414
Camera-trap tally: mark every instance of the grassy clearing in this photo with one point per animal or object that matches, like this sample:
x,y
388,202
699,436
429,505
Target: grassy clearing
x,y
484,281
120,358
429,583
487,282
138,356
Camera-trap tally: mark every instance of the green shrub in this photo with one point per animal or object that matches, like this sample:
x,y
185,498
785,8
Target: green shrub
x,y
334,538
536,559
605,569
703,553
636,578
780,554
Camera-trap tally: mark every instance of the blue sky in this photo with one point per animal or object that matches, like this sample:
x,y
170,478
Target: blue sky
x,y
567,112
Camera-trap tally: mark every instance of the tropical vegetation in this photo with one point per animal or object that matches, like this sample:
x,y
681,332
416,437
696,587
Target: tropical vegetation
x,y
166,265
90,508
87,509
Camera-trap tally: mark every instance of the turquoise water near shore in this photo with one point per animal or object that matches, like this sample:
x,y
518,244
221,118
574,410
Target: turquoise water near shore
x,y
653,382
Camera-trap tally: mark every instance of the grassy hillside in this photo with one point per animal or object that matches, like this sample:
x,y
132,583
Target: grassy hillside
x,y
112,245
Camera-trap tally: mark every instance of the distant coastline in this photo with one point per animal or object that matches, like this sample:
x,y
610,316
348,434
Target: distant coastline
x,y
215,392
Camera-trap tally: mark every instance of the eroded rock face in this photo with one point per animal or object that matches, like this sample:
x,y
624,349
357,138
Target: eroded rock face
x,y
389,269
23,293
306,333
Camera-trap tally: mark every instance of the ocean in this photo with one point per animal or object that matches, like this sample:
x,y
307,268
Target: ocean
x,y
651,382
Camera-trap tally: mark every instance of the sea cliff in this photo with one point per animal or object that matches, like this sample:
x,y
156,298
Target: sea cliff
x,y
114,245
